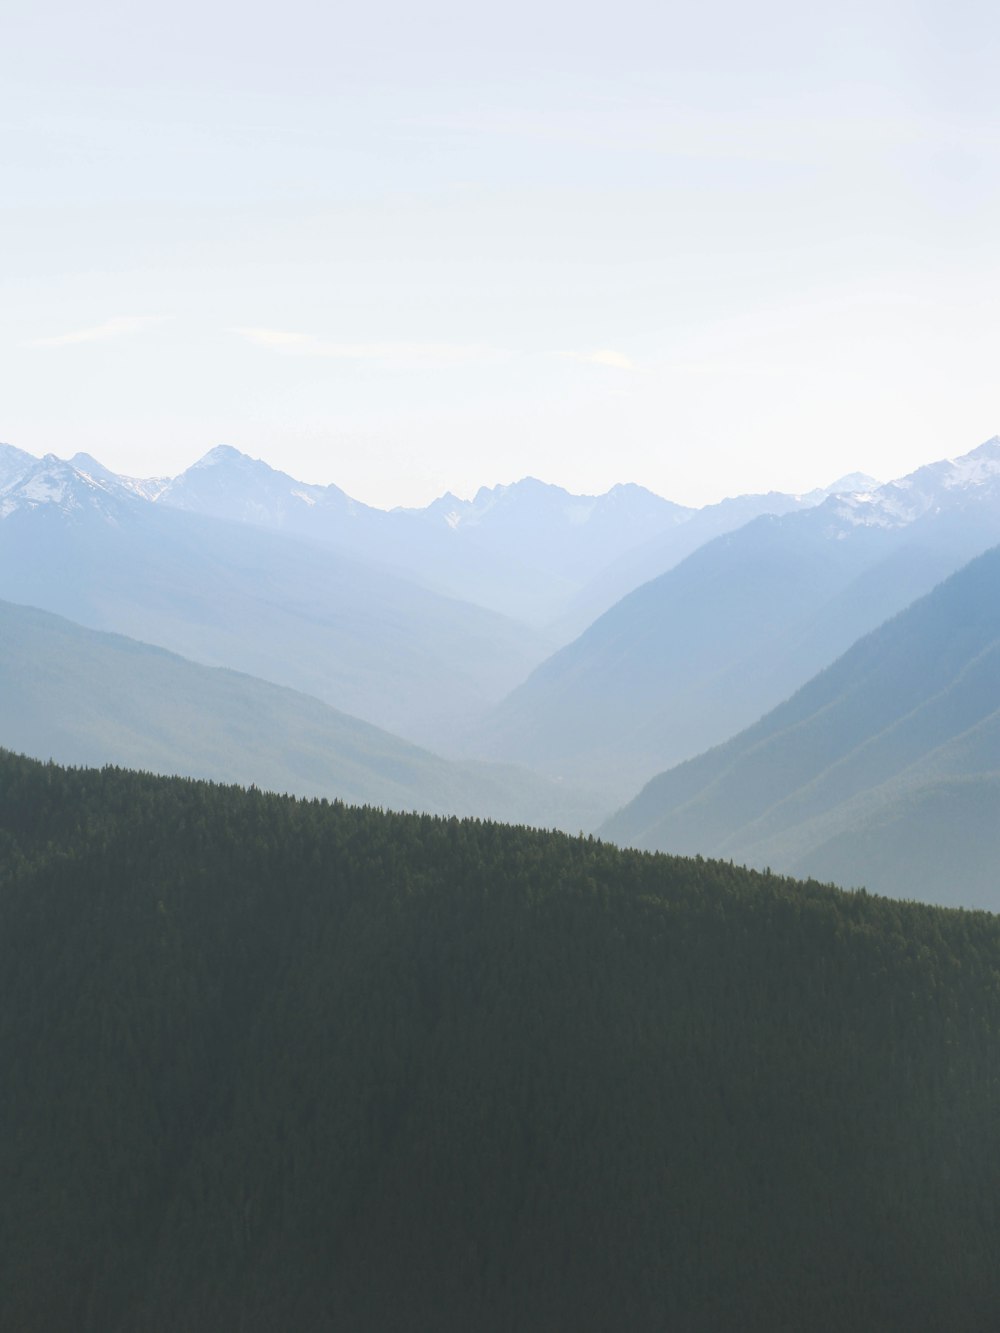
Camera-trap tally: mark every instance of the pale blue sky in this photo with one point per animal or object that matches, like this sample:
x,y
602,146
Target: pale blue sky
x,y
410,248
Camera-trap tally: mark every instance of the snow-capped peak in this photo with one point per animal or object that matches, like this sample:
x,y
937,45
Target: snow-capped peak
x,y
53,483
946,484
980,466
147,488
222,453
854,483
231,485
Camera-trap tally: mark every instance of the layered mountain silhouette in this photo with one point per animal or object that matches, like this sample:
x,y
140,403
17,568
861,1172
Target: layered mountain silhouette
x,y
882,770
236,564
302,614
688,659
529,550
84,697
524,550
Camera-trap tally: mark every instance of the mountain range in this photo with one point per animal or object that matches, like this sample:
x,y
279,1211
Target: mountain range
x,y
296,613
530,550
236,564
522,550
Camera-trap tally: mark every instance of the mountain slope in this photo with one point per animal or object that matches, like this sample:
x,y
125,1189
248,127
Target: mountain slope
x,y
365,641
228,484
686,660
13,464
82,697
281,1065
884,769
661,553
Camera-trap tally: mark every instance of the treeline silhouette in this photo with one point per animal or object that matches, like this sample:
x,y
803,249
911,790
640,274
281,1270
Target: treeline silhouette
x,y
272,1064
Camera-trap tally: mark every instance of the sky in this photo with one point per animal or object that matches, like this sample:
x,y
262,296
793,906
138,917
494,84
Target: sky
x,y
708,248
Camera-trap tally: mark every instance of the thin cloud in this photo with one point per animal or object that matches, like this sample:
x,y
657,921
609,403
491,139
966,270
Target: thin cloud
x,y
394,356
604,356
111,328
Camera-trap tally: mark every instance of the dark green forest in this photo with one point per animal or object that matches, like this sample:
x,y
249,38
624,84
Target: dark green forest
x,y
285,1065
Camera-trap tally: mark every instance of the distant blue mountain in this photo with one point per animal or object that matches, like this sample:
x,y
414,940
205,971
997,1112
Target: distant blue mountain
x,y
530,550
370,642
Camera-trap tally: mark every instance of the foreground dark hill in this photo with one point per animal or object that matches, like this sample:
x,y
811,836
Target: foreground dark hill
x,y
882,770
275,1065
82,697
701,652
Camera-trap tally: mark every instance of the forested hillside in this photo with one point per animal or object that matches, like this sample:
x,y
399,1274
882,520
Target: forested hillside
x,y
283,1065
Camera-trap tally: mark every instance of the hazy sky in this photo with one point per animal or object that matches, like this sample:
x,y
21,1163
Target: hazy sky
x,y
710,248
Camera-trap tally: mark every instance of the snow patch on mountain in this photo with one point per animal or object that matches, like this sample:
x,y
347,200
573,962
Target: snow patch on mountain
x,y
147,488
14,463
57,485
946,484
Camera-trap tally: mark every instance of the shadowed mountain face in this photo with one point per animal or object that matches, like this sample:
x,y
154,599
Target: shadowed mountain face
x,y
82,697
304,615
883,770
686,660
